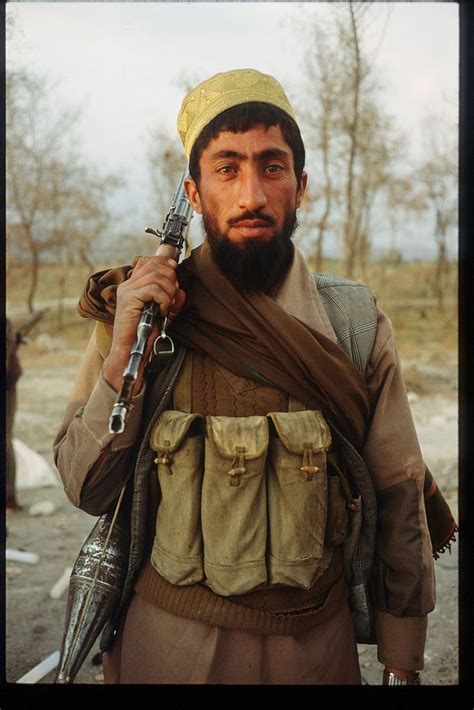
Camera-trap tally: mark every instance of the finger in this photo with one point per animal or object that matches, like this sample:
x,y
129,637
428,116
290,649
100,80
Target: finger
x,y
154,334
177,304
153,280
153,292
132,301
160,274
146,263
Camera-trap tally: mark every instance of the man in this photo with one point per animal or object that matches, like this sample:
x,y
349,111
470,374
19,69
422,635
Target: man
x,y
13,373
244,501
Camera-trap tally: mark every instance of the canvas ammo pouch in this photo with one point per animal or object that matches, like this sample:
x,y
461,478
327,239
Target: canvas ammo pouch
x,y
178,439
246,502
297,490
234,503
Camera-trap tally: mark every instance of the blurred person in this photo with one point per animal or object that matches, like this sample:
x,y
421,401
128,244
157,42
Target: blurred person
x,y
13,373
283,393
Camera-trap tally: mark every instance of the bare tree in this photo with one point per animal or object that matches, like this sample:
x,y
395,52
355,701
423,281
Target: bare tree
x,y
320,134
166,162
77,214
438,180
381,151
55,204
357,73
369,144
354,142
402,199
35,137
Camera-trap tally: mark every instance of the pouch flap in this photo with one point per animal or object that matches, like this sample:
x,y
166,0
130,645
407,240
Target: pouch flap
x,y
295,429
249,434
170,430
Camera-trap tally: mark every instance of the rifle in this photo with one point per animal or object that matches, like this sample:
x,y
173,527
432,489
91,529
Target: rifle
x,y
172,239
28,325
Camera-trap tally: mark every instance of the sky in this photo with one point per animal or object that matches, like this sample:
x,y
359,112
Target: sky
x,y
123,62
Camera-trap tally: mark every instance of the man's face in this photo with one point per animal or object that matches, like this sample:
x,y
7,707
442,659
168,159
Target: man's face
x,y
248,195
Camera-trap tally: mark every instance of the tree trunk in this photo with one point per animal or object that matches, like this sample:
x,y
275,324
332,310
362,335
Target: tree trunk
x,y
348,259
34,269
61,290
85,258
328,191
322,229
363,232
440,274
318,252
349,240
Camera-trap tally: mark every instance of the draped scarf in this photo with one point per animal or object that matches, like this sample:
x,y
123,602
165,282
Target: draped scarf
x,y
255,337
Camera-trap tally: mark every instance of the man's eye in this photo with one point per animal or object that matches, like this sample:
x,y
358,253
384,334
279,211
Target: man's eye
x,y
226,169
273,169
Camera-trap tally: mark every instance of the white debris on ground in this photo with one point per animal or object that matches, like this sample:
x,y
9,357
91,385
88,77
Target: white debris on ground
x,y
42,507
41,669
59,587
32,469
19,555
46,343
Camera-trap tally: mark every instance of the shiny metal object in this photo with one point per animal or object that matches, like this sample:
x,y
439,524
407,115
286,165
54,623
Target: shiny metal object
x,y
94,590
390,678
159,346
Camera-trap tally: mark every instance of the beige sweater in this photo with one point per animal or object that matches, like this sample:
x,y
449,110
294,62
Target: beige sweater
x,y
405,588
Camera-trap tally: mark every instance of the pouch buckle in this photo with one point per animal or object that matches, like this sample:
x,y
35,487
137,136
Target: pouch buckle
x,y
237,470
164,457
308,468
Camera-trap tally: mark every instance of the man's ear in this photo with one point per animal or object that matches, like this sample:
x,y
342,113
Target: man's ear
x,y
301,189
193,194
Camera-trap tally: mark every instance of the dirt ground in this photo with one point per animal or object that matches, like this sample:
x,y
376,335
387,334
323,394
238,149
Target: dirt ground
x,y
34,621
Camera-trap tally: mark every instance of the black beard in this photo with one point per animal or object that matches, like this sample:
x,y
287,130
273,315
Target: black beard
x,y
254,265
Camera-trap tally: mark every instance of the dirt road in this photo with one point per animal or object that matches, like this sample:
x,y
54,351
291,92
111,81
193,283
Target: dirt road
x,y
35,621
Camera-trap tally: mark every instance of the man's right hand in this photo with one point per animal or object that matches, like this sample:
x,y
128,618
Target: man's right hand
x,y
153,279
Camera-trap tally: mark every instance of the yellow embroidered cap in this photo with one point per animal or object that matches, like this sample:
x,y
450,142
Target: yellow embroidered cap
x,y
222,91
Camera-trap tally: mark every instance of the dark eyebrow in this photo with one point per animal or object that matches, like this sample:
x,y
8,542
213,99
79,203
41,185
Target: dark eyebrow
x,y
228,154
273,153
269,153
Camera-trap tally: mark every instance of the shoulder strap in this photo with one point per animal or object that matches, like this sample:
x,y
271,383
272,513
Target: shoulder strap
x,y
351,309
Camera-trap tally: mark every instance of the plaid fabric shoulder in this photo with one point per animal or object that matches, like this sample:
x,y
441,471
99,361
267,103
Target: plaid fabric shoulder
x,y
351,309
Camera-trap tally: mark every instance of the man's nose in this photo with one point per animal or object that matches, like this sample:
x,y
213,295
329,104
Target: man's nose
x,y
251,191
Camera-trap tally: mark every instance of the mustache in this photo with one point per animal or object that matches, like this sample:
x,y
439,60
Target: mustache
x,y
251,215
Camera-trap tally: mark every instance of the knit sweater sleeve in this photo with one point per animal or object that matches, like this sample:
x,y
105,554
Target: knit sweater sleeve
x,y
90,460
404,571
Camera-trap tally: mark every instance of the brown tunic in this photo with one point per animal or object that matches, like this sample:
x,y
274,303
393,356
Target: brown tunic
x,y
155,647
